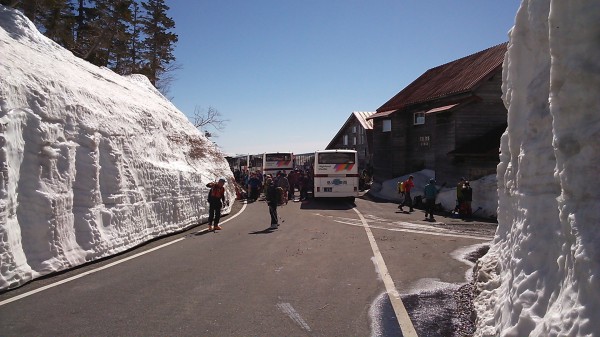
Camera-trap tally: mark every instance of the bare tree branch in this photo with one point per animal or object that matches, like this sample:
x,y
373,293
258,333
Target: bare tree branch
x,y
210,117
166,77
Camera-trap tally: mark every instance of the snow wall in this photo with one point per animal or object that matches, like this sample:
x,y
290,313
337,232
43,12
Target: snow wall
x,y
541,276
91,163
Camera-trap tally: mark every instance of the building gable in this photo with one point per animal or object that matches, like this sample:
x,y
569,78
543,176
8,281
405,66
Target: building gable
x,y
355,118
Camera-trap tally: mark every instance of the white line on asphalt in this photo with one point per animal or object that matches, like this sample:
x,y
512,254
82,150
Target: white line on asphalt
x,y
409,228
112,264
293,314
29,293
228,219
416,231
408,330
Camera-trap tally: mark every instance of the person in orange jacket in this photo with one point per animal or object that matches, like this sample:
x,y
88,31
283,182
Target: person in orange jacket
x,y
216,198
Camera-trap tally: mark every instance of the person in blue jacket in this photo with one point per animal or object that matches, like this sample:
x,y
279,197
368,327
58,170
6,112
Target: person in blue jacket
x,y
431,193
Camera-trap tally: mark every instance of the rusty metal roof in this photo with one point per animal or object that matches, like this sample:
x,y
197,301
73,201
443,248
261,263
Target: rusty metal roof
x,y
455,77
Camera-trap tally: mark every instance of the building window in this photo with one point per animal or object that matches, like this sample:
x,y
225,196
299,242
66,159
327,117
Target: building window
x,y
345,139
424,141
354,129
354,140
387,125
419,118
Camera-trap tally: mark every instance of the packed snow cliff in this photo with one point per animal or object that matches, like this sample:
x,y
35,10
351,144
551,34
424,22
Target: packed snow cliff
x,y
541,276
91,163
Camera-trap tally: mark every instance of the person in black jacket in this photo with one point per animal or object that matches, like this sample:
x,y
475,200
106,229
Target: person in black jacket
x,y
467,193
272,195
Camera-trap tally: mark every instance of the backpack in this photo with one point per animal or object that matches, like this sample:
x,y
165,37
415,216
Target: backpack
x,y
401,187
215,193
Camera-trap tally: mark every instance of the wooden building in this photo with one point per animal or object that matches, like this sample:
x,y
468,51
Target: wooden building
x,y
356,134
450,120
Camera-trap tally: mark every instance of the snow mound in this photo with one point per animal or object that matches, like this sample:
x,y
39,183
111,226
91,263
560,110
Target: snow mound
x,y
92,163
485,192
389,189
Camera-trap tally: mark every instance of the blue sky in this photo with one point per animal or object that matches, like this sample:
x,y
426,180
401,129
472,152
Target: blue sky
x,y
287,74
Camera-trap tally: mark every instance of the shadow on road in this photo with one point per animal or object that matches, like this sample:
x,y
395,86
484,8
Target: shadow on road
x,y
264,231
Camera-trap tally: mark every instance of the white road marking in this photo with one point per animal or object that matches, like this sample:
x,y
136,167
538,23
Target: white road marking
x,y
293,314
35,291
112,264
228,219
408,330
409,227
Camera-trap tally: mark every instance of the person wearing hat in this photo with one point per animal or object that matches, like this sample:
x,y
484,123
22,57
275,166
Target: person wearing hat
x,y
216,198
430,193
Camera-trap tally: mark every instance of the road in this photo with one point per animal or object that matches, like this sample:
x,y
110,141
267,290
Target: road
x,y
322,273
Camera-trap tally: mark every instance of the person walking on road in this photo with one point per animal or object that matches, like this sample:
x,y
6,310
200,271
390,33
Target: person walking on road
x,y
253,187
284,183
272,195
459,194
430,193
216,198
408,185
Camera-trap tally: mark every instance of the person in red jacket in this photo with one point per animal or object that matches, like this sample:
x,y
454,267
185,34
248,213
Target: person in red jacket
x,y
408,185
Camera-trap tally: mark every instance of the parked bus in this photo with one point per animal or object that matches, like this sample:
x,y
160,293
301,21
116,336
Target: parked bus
x,y
336,174
256,163
274,162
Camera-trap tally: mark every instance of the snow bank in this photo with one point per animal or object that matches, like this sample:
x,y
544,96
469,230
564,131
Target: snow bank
x,y
541,275
91,163
485,192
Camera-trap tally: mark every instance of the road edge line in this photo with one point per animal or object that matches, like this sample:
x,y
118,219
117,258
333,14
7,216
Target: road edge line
x,y
112,264
406,325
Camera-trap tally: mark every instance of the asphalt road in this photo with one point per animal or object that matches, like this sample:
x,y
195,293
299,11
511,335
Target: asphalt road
x,y
317,275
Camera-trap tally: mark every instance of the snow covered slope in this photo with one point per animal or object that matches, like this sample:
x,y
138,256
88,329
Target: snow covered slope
x,y
91,163
542,274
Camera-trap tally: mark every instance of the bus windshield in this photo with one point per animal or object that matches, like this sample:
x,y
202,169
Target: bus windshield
x,y
336,158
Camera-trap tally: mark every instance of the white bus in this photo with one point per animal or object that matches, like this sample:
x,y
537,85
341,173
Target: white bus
x,y
274,162
255,162
336,174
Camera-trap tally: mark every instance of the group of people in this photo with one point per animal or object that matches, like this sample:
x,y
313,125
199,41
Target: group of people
x,y
253,184
277,189
464,197
281,188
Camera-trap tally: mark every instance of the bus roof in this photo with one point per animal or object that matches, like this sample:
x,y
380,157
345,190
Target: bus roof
x,y
336,150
